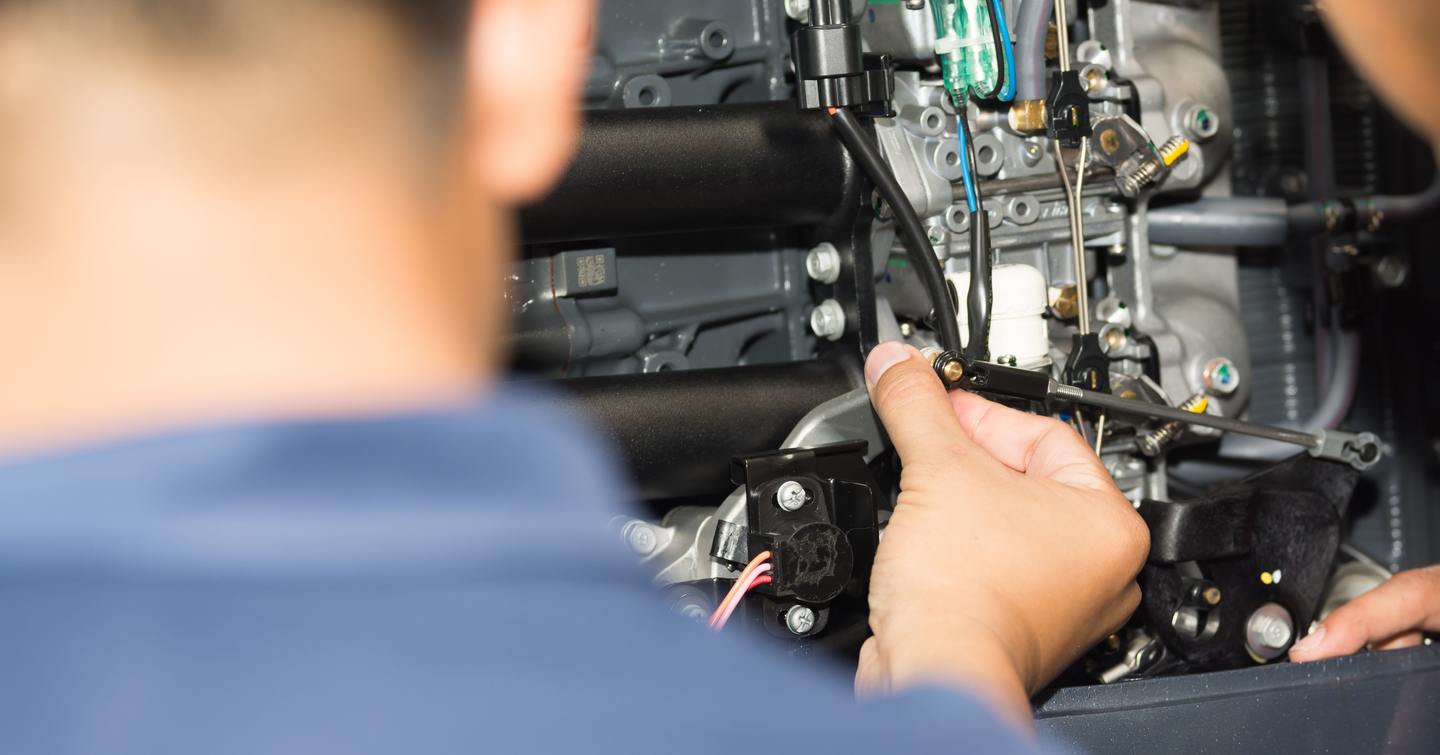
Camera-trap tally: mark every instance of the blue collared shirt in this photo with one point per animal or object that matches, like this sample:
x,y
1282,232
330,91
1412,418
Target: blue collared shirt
x,y
428,583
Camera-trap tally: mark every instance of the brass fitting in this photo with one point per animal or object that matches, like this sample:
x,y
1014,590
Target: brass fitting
x,y
1066,303
1027,116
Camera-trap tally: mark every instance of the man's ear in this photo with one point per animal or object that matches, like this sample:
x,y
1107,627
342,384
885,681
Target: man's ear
x,y
526,65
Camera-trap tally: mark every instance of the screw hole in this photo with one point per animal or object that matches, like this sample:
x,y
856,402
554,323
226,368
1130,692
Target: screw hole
x,y
647,97
987,154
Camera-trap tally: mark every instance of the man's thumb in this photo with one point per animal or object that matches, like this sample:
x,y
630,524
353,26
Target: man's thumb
x,y
911,402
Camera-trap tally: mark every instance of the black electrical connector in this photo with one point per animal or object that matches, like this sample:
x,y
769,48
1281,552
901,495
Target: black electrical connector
x,y
1068,108
831,68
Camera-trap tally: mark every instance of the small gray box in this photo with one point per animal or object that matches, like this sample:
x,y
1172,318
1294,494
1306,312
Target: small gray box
x,y
589,272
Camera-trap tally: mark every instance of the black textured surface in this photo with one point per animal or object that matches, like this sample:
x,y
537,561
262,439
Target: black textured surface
x,y
1369,703
683,169
677,431
1285,520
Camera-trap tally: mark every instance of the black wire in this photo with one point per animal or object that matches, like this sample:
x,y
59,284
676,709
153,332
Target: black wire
x,y
995,35
917,242
981,297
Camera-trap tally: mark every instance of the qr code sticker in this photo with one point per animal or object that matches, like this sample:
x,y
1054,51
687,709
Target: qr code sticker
x,y
590,271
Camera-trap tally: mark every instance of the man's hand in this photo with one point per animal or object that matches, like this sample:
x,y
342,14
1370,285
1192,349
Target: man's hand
x,y
1392,615
1010,552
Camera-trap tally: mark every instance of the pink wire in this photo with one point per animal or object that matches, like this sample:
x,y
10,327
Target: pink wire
x,y
723,615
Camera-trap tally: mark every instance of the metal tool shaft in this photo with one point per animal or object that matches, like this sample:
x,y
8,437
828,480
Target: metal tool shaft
x,y
1160,411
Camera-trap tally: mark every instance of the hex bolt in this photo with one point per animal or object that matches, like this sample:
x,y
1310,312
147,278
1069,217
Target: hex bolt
x,y
1201,122
1220,376
799,620
641,538
791,496
1269,631
828,320
823,263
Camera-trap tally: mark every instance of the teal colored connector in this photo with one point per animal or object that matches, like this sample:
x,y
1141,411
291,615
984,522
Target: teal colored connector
x,y
965,45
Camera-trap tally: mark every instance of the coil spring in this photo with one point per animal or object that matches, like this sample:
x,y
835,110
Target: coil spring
x,y
1149,171
1153,444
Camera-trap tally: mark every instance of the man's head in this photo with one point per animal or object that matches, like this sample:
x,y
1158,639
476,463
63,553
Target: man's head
x,y
212,208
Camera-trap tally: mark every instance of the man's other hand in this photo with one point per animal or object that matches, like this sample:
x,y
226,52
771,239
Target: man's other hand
x,y
1010,553
1393,615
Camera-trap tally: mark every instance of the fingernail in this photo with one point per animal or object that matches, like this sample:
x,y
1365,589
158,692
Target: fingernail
x,y
1310,641
882,358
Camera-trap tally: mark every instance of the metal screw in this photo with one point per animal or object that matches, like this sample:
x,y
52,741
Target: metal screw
x,y
1201,122
1220,377
828,320
791,496
641,538
799,620
823,263
1268,631
694,612
1211,595
1392,271
1113,337
1033,153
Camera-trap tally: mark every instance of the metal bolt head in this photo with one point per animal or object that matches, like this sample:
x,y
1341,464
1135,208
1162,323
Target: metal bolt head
x,y
641,538
1392,271
1269,631
823,263
1211,595
828,320
791,496
1109,141
1201,122
799,620
1221,377
694,612
1113,338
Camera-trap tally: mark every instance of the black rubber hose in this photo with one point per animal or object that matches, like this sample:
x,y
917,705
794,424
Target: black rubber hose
x,y
981,296
917,242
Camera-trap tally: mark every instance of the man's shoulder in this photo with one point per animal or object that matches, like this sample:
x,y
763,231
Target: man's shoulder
x,y
471,481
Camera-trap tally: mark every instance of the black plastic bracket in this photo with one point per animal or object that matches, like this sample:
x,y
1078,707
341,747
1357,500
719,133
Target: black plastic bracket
x,y
824,549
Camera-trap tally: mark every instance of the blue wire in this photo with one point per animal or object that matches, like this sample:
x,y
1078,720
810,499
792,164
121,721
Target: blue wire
x,y
998,8
965,173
